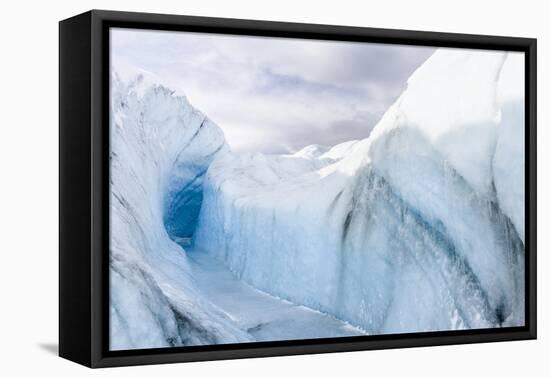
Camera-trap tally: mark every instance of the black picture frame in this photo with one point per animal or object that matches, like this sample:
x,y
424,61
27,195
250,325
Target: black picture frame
x,y
84,187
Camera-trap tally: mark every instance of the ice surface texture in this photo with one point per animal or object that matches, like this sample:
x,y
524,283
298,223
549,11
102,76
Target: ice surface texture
x,y
160,148
417,228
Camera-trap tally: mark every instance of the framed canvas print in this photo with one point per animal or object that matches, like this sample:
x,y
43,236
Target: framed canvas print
x,y
234,188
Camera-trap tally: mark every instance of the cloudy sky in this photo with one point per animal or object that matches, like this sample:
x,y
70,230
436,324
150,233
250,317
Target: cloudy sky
x,y
274,95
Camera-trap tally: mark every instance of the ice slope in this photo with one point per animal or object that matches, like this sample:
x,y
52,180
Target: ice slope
x,y
417,228
160,148
265,317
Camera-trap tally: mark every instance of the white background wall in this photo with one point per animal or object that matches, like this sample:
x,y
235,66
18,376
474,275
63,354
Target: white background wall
x,y
29,187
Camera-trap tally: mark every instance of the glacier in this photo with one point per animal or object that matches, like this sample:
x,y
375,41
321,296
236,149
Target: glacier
x,y
419,227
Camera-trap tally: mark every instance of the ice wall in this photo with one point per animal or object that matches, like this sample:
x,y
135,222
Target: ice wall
x,y
160,148
417,228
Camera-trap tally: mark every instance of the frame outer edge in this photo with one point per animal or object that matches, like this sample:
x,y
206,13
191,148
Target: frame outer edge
x,y
99,122
532,127
75,335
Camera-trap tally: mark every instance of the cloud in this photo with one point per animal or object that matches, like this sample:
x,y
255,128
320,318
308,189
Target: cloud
x,y
270,94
